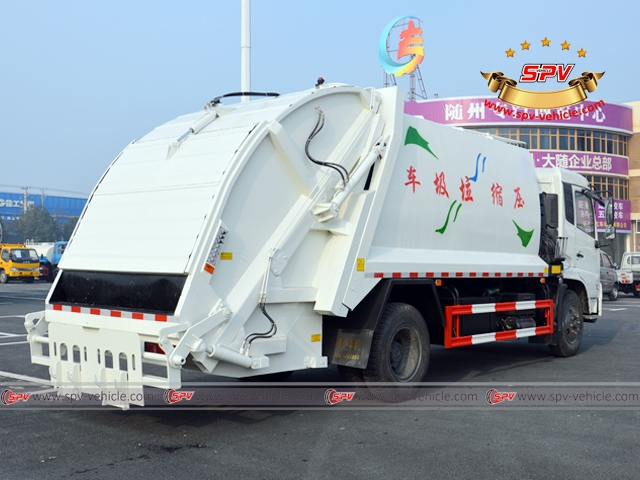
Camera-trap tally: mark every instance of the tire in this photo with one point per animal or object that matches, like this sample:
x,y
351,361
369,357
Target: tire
x,y
28,280
400,347
571,322
613,294
4,278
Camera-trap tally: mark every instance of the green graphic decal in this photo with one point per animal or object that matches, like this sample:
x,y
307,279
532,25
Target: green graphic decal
x,y
457,210
414,138
446,223
524,235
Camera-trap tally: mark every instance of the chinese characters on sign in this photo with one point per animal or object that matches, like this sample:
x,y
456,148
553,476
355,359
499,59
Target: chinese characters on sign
x,y
621,216
441,186
584,162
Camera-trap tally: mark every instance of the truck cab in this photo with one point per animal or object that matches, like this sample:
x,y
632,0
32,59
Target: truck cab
x,y
18,261
570,231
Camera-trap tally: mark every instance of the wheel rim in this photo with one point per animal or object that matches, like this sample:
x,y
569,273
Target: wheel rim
x,y
404,356
572,325
614,292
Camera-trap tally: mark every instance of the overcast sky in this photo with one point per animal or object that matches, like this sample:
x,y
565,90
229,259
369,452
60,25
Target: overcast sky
x,y
81,79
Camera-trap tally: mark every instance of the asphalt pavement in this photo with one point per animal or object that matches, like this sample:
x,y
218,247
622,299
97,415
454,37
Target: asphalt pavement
x,y
545,442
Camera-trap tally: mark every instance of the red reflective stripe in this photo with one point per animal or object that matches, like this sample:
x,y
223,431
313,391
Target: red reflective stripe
x,y
541,274
396,275
509,274
413,275
531,274
498,274
461,342
485,274
57,307
430,274
472,274
161,318
520,274
116,313
510,335
94,311
459,274
505,307
137,316
378,275
445,274
463,310
75,309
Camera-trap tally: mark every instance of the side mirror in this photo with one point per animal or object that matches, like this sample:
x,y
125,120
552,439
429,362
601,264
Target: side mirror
x,y
610,232
608,214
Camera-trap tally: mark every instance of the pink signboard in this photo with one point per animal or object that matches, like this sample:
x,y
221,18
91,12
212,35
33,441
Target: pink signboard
x,y
621,215
481,111
594,163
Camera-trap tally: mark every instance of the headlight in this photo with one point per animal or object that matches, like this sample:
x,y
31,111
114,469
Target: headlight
x,y
37,269
14,269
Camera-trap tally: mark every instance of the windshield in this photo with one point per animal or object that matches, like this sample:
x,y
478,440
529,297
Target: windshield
x,y
24,255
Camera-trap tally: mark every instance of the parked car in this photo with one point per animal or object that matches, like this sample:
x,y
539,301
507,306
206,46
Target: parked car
x,y
608,276
629,273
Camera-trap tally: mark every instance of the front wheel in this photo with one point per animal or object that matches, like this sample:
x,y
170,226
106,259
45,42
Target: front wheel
x,y
571,323
4,278
613,294
400,347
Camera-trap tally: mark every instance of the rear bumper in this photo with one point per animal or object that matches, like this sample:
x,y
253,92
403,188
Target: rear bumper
x,y
102,352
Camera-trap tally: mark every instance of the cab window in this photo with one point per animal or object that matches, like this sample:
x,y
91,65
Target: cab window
x,y
584,214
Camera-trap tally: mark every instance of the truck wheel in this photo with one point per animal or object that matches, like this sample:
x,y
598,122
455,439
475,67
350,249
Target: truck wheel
x,y
571,326
4,278
400,347
613,294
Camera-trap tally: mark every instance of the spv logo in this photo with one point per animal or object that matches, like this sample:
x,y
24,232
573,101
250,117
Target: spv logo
x,y
174,396
536,72
333,397
9,398
494,396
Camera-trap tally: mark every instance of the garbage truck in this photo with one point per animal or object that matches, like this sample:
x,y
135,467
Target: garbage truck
x,y
318,228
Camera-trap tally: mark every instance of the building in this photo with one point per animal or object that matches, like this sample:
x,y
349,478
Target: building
x,y
634,177
592,138
12,205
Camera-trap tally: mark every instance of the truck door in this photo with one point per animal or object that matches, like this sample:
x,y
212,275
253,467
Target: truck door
x,y
584,252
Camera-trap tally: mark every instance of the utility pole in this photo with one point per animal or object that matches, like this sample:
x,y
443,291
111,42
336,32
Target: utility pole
x,y
245,49
25,199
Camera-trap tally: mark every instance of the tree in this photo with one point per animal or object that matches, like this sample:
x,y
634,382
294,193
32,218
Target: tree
x,y
38,225
66,229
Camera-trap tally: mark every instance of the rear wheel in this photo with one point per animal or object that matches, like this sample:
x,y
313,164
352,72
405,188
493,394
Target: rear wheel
x,y
400,347
613,294
571,322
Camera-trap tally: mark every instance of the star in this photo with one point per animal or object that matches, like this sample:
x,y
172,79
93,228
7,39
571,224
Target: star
x,y
509,52
582,53
525,45
545,42
565,45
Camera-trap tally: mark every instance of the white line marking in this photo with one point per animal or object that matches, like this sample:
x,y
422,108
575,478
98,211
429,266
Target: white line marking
x,y
11,335
12,316
12,343
615,309
26,378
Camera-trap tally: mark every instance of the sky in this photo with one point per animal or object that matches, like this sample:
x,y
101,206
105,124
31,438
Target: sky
x,y
81,79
